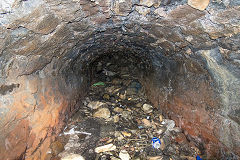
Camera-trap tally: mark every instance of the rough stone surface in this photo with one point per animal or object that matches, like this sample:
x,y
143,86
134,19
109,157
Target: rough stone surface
x,y
57,147
143,10
150,3
192,56
199,4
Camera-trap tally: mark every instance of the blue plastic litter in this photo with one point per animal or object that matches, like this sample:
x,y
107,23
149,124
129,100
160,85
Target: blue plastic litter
x,y
156,143
198,158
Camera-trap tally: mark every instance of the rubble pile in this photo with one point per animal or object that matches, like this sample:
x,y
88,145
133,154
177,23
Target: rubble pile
x,y
118,122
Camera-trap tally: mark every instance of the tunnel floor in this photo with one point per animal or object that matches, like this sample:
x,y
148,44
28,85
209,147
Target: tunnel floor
x,y
117,121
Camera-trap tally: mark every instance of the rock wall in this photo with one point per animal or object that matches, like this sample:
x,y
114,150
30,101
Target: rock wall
x,y
46,47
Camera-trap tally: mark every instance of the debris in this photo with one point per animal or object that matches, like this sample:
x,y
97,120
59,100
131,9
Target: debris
x,y
161,130
117,122
139,105
126,134
162,147
102,113
126,115
160,118
122,96
146,123
108,73
98,84
147,108
198,157
123,155
105,148
116,118
106,96
156,143
72,131
96,104
73,157
155,158
118,110
114,158
118,135
170,124
188,157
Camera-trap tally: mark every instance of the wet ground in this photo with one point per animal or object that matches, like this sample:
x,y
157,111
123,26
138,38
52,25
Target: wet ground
x,y
118,122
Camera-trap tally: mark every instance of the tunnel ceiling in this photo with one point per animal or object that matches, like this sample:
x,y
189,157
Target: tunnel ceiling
x,y
46,45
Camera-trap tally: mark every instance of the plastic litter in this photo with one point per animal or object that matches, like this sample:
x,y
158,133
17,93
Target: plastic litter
x,y
169,123
108,73
98,84
156,143
72,131
198,158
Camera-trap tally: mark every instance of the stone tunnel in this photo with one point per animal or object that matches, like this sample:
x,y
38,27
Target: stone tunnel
x,y
187,54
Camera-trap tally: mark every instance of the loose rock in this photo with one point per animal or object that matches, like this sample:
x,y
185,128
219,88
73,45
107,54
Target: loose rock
x,y
160,118
126,134
106,148
73,157
118,110
124,155
118,135
122,96
102,113
106,96
161,130
126,115
146,123
155,158
114,158
116,118
147,108
170,124
96,104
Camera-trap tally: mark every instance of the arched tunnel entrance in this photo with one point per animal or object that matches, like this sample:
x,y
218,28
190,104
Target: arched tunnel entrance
x,y
132,94
119,117
101,79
